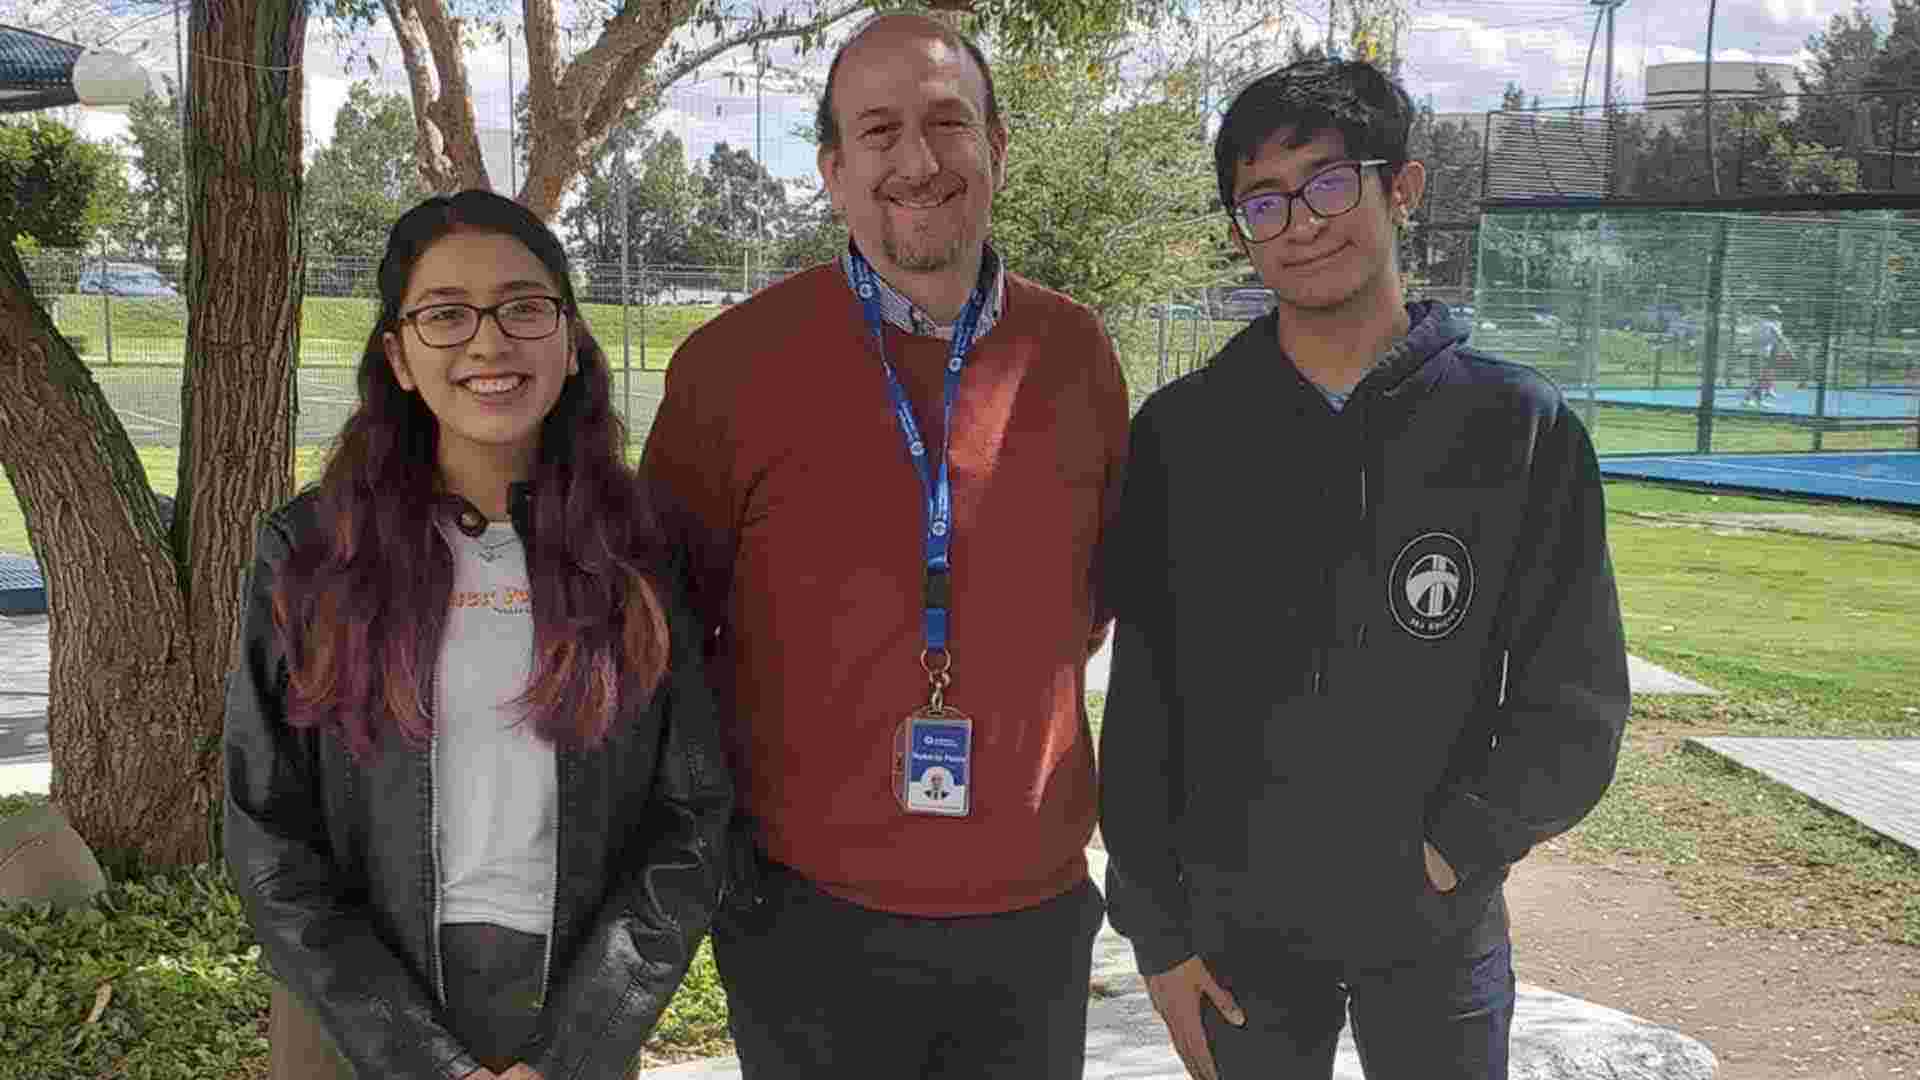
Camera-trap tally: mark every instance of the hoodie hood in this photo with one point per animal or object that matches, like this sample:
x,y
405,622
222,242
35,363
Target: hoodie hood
x,y
1410,365
1432,330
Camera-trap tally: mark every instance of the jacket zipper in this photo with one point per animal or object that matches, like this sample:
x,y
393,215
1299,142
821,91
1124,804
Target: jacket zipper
x,y
553,888
433,812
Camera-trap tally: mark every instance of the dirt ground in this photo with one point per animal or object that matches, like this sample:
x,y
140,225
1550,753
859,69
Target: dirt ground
x,y
1883,528
1772,1005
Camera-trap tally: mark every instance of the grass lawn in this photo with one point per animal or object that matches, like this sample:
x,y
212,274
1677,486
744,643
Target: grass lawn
x,y
1620,430
163,475
1805,635
333,330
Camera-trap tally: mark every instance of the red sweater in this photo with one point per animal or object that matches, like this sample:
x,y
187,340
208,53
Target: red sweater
x,y
805,524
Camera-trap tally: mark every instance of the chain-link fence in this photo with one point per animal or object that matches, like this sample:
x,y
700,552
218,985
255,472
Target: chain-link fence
x,y
1679,330
127,319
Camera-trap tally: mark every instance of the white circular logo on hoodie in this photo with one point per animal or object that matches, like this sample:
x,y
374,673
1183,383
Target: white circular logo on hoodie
x,y
1431,586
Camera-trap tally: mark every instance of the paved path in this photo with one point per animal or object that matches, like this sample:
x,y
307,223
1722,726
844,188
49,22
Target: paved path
x,y
1555,1037
1874,781
24,765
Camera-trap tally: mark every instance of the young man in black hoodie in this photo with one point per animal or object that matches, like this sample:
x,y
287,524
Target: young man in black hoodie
x,y
1368,645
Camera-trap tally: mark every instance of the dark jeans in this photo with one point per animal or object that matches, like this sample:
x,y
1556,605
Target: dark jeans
x,y
492,979
1432,1022
818,987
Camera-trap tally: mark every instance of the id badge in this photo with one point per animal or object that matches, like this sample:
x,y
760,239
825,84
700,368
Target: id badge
x,y
933,764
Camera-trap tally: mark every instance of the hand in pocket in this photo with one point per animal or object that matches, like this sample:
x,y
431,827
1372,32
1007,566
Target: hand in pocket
x,y
1440,872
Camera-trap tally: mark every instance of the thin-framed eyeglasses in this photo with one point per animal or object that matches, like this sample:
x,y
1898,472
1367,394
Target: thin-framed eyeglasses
x,y
523,318
1332,191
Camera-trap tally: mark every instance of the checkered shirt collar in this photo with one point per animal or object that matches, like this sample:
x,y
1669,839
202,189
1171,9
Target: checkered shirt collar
x,y
906,316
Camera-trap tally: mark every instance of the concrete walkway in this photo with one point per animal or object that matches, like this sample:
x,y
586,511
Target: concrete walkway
x,y
1555,1037
24,765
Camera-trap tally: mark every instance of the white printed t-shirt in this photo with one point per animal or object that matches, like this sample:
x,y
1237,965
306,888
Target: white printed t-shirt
x,y
498,784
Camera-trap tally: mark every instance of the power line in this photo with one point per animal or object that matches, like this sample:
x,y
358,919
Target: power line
x,y
1581,14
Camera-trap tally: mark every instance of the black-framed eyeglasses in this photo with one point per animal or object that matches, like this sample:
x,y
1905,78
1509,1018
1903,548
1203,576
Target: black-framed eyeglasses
x,y
523,318
1332,191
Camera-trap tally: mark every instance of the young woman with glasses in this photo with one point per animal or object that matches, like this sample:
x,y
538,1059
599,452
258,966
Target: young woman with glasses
x,y
474,796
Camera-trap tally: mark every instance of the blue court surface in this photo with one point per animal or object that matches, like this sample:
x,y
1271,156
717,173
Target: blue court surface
x,y
1883,403
21,590
1891,477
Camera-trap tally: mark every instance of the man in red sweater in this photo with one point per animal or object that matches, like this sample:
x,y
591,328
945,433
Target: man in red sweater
x,y
892,474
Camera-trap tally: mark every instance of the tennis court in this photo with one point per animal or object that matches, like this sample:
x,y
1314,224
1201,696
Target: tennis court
x,y
1886,477
1893,403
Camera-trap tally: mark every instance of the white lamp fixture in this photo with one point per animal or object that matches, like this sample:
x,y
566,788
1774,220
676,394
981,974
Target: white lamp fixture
x,y
102,78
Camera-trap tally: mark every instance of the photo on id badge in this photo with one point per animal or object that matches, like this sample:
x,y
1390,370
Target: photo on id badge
x,y
937,755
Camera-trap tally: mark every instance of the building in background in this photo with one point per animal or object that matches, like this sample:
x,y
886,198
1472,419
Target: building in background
x,y
1672,89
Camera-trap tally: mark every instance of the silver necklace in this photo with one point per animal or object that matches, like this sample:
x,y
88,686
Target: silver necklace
x,y
490,550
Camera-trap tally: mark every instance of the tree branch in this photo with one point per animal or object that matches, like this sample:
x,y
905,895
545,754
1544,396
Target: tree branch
x,y
629,33
543,50
772,33
429,143
447,107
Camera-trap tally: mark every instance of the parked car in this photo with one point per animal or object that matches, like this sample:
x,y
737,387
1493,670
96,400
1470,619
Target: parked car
x,y
126,279
1172,311
1246,304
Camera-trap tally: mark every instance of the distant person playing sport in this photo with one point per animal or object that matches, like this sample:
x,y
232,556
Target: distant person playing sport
x,y
1772,348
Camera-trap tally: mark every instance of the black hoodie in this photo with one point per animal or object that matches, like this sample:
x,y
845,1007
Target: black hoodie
x,y
1341,634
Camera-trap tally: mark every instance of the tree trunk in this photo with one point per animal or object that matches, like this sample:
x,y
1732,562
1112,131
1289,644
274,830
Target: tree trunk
x,y
245,257
122,717
138,652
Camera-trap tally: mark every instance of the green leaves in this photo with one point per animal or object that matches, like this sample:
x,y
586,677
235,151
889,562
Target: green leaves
x,y
1109,197
55,186
362,181
186,989
157,223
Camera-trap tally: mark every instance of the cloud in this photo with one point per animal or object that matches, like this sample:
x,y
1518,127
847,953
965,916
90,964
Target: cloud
x,y
1464,59
325,95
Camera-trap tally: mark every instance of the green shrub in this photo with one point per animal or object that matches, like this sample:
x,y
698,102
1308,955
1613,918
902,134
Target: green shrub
x,y
188,1000
185,996
13,804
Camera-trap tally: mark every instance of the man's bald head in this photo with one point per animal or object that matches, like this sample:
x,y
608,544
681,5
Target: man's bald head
x,y
878,31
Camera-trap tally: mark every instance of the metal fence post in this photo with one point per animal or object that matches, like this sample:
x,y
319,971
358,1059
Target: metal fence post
x,y
1740,158
1893,145
1160,376
1710,362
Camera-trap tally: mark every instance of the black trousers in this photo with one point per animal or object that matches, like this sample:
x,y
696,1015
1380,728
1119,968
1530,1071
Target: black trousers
x,y
493,981
818,987
1445,1020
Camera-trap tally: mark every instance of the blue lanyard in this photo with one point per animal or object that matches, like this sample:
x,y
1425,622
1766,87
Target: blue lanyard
x,y
936,487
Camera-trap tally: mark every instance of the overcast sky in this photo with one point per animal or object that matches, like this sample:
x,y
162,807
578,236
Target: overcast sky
x,y
1462,53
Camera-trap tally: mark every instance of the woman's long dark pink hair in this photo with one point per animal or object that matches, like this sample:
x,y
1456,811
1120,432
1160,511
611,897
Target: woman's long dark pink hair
x,y
361,615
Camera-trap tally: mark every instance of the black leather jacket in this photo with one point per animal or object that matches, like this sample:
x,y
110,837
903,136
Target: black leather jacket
x,y
336,861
